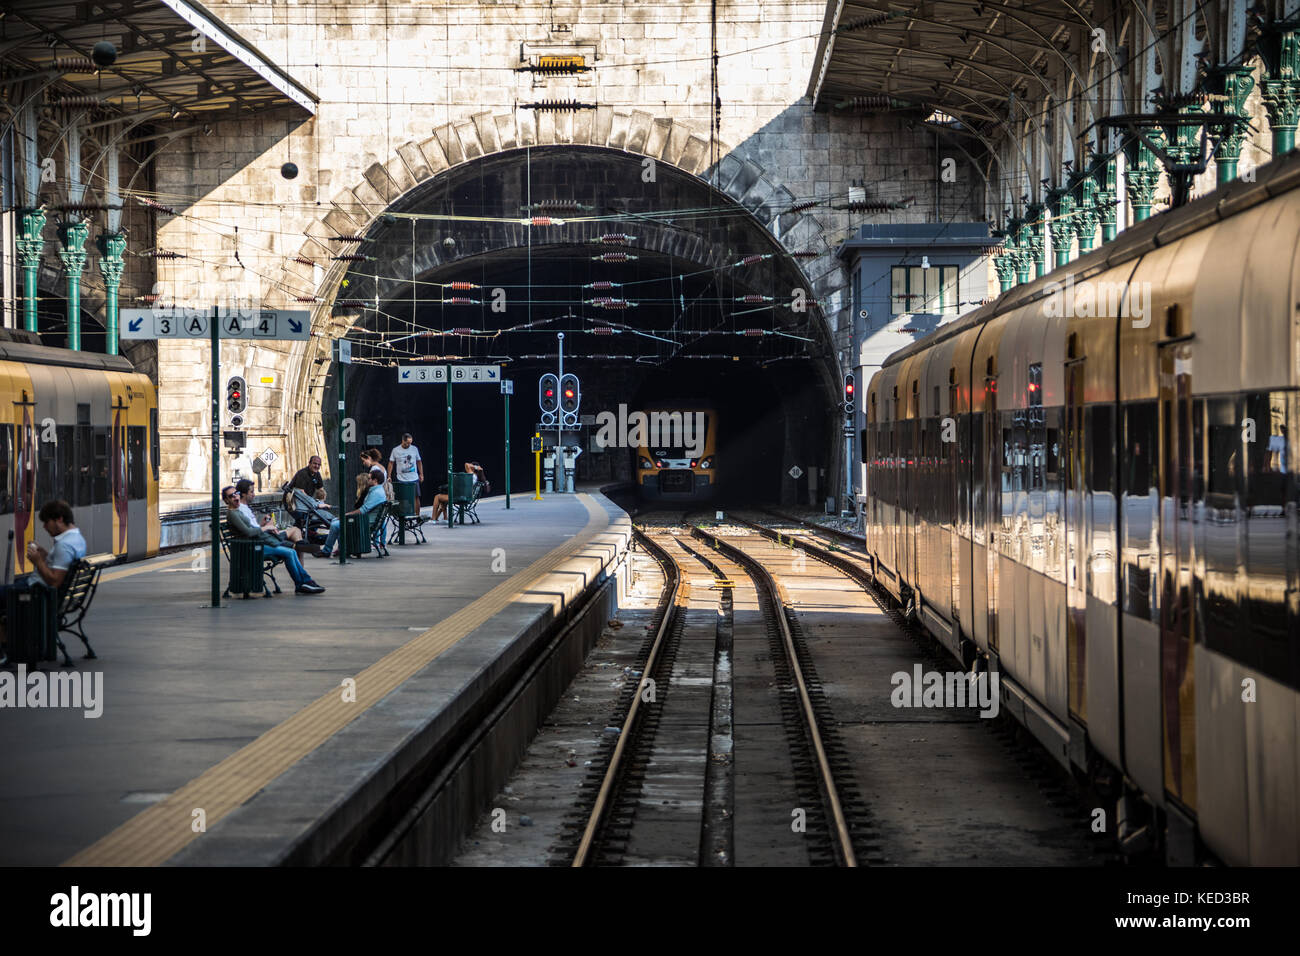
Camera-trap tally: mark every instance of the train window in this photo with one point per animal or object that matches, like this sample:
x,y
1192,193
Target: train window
x,y
1269,483
83,413
155,452
65,482
6,469
84,441
102,485
135,484
1139,549
1100,441
1220,604
1224,450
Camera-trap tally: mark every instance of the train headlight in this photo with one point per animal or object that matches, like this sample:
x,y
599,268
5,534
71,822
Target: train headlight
x,y
706,463
658,463
645,462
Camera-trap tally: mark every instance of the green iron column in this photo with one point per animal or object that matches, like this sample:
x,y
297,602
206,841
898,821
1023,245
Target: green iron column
x,y
1036,244
1279,48
1004,262
111,246
1229,86
1085,213
73,237
1062,224
1141,178
30,246
1107,177
1024,254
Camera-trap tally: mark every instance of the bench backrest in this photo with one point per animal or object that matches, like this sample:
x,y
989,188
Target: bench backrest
x,y
79,583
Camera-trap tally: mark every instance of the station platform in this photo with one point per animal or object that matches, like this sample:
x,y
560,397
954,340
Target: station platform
x,y
226,735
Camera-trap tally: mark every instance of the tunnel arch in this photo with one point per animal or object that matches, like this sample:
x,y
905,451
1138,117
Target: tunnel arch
x,y
416,173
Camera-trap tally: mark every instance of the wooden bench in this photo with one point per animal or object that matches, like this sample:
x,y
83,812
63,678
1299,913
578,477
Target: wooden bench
x,y
268,564
74,596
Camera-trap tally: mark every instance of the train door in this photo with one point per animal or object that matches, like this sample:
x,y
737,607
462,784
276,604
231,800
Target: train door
x,y
23,455
1076,541
1177,687
137,485
117,471
994,454
955,451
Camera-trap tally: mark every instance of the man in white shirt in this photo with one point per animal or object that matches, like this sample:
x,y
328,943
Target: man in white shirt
x,y
51,566
244,488
405,467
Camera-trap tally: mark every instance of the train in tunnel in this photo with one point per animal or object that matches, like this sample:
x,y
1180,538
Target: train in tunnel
x,y
677,457
82,427
1089,486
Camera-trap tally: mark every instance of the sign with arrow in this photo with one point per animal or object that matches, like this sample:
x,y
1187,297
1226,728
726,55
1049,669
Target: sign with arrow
x,y
437,374
421,374
265,324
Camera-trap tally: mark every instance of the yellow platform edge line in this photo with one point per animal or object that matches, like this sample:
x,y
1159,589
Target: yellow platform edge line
x,y
153,836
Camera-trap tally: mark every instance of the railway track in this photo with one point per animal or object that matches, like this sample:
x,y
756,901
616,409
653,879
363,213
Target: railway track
x,y
722,745
657,723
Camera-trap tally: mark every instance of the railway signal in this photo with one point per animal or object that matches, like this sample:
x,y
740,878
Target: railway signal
x,y
570,398
548,396
236,399
849,389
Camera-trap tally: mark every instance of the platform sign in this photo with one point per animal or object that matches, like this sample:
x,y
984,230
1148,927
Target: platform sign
x,y
421,374
265,324
463,374
507,386
437,374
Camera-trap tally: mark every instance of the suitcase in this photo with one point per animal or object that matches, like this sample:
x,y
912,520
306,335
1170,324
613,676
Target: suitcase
x,y
246,562
31,624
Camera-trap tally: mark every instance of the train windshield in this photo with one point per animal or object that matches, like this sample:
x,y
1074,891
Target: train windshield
x,y
679,435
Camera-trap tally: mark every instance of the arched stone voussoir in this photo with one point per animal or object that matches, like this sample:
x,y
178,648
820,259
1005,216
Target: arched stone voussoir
x,y
664,139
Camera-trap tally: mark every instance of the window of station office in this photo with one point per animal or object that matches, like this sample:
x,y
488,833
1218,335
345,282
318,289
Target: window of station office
x,y
931,291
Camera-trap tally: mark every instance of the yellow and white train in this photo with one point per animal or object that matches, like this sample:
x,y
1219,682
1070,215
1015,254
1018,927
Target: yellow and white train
x,y
82,427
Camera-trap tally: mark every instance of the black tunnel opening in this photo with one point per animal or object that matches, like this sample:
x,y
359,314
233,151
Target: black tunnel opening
x,y
667,292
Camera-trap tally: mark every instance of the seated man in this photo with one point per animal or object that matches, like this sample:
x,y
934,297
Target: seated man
x,y
374,498
244,488
308,479
272,546
51,566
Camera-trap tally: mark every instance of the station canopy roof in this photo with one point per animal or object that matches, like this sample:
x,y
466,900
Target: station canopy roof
x,y
174,57
963,58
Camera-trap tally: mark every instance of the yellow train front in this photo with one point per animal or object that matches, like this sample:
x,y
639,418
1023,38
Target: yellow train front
x,y
81,427
676,459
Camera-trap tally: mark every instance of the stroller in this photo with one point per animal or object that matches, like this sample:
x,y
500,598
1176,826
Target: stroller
x,y
313,520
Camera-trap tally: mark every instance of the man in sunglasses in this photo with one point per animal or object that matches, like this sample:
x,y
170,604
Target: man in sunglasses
x,y
272,546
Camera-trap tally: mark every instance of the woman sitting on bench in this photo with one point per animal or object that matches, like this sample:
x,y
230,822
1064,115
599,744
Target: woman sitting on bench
x,y
440,502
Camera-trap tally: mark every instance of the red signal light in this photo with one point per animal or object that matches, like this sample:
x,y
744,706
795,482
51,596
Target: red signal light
x,y
568,393
550,393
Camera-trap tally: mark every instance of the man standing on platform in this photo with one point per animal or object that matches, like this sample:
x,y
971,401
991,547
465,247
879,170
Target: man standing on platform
x,y
405,467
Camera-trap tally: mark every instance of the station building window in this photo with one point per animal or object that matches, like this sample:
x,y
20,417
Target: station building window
x,y
931,291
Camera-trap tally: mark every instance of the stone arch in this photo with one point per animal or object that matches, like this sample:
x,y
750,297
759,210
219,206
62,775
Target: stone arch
x,y
664,139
